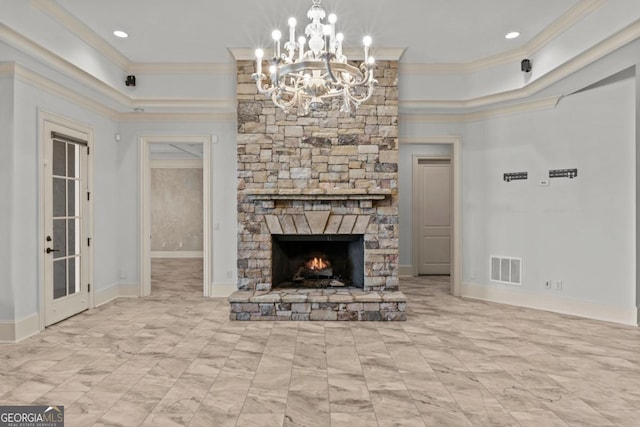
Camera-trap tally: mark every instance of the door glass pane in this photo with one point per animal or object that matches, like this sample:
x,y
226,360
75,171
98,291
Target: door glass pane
x,y
72,185
59,158
60,237
59,197
59,278
74,275
72,150
73,238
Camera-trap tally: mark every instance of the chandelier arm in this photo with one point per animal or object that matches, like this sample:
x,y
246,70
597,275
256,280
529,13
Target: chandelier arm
x,y
262,89
280,102
327,59
357,100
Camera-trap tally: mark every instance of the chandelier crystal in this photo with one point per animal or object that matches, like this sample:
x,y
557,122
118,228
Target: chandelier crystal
x,y
307,78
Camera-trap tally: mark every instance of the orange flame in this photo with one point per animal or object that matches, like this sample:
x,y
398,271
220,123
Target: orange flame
x,y
317,264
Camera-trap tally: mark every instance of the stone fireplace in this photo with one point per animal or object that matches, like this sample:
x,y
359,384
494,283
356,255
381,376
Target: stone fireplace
x,y
318,186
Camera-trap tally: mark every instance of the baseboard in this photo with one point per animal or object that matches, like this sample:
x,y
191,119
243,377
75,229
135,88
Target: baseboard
x,y
176,254
223,290
129,290
554,303
106,295
405,270
14,331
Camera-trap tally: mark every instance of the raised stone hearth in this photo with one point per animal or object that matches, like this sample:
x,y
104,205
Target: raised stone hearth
x,y
329,176
318,304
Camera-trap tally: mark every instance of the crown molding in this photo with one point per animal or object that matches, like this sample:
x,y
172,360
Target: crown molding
x,y
177,117
7,69
38,80
225,105
82,31
182,68
560,25
538,104
444,139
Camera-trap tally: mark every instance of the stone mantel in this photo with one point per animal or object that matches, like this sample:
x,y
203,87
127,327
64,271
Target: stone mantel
x,y
318,193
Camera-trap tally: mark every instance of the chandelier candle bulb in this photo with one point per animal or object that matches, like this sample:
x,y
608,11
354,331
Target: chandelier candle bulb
x,y
326,30
292,30
276,38
366,41
332,21
339,39
259,55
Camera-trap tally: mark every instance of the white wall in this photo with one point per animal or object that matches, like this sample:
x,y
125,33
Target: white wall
x,y
224,189
580,231
6,198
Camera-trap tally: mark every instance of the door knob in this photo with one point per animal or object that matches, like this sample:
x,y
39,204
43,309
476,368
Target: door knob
x,y
49,250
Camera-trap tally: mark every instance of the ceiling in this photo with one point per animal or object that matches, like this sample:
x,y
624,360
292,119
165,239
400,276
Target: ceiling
x,y
202,31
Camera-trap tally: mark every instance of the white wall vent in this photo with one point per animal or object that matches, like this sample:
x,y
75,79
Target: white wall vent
x,y
506,270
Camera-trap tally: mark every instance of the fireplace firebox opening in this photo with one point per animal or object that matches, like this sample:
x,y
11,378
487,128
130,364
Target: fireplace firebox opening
x,y
317,260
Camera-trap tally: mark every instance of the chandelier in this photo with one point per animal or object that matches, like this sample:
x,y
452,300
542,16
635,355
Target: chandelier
x,y
307,78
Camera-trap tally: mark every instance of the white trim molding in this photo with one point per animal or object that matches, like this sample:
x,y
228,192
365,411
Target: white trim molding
x,y
177,117
176,254
411,111
108,294
176,163
14,331
405,270
507,295
223,290
128,290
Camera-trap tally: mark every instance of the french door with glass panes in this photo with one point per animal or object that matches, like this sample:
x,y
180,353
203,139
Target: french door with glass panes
x,y
66,196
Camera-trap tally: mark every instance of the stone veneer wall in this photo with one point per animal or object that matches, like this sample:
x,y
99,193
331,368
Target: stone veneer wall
x,y
324,157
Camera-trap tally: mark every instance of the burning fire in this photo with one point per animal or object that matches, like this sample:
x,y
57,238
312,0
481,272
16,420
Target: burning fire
x,y
317,264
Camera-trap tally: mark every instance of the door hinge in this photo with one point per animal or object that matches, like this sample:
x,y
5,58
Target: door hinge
x,y
88,287
88,150
88,241
88,196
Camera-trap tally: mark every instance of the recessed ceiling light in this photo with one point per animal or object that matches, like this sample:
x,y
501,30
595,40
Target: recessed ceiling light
x,y
121,34
512,35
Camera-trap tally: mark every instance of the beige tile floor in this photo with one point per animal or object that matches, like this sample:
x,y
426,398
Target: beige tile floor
x,y
174,359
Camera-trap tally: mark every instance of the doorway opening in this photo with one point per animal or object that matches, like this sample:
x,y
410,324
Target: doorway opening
x,y
175,237
434,235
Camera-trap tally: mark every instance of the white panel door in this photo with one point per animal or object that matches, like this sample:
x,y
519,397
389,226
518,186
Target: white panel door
x,y
434,216
66,284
